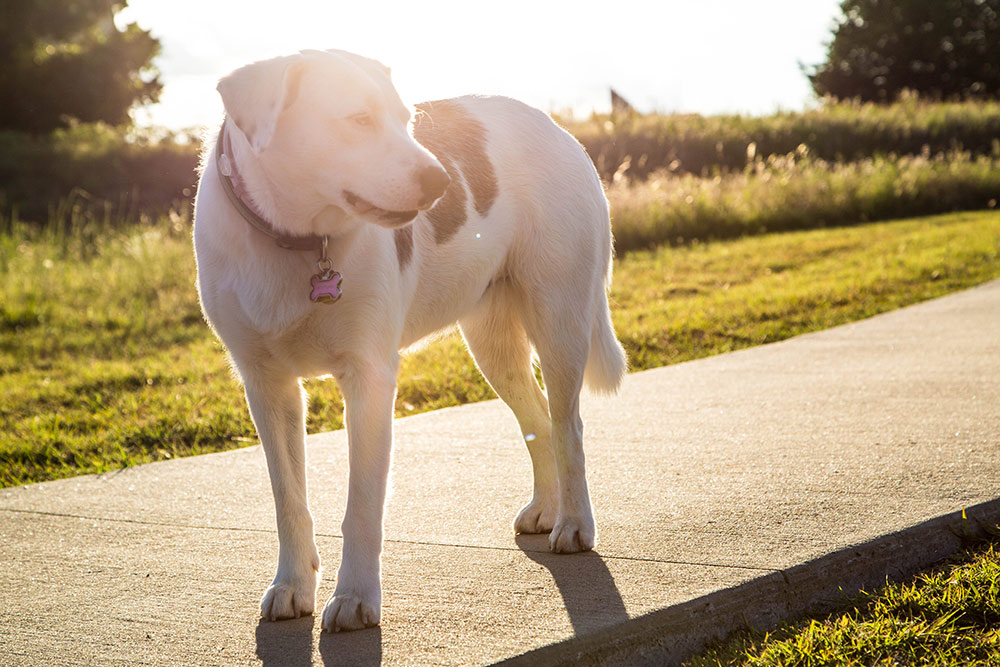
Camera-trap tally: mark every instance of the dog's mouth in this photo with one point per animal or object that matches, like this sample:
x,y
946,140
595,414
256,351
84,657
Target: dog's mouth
x,y
364,207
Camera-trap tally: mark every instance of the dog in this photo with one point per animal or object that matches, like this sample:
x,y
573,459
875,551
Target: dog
x,y
475,210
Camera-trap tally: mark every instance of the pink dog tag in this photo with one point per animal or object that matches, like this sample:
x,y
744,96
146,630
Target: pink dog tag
x,y
326,287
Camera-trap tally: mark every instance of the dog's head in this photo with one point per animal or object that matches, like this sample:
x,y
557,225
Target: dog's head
x,y
329,129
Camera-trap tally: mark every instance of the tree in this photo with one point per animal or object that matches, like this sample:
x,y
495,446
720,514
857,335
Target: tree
x,y
62,59
940,48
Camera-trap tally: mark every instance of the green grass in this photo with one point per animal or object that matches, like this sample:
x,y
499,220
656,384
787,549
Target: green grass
x,y
105,361
691,302
949,616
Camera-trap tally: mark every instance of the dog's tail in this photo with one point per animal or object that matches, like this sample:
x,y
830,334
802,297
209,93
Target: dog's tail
x,y
607,364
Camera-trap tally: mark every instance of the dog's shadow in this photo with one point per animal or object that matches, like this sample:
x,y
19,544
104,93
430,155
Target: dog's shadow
x,y
285,642
588,590
290,643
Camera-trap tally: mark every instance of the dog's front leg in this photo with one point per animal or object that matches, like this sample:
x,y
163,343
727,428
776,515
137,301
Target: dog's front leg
x,y
369,394
277,405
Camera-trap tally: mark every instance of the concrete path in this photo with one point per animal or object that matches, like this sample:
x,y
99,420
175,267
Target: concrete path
x,y
738,489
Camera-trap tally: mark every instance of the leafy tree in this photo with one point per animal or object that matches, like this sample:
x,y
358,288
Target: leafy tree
x,y
939,48
63,59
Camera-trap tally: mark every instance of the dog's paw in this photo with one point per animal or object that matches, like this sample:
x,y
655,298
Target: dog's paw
x,y
290,598
574,534
350,612
535,517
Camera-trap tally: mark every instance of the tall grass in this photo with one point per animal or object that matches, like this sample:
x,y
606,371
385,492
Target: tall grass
x,y
835,131
797,191
101,343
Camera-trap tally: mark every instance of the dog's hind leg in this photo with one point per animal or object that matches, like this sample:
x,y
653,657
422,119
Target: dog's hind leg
x,y
277,405
499,345
560,329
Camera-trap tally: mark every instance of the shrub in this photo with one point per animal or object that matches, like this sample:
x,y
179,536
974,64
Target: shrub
x,y
638,145
102,169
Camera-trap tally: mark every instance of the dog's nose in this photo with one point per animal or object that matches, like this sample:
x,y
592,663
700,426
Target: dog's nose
x,y
433,182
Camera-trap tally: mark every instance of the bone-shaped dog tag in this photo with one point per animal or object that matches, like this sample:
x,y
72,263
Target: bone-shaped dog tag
x,y
326,287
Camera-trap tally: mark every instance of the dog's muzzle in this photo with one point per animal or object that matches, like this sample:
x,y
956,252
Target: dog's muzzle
x,y
365,207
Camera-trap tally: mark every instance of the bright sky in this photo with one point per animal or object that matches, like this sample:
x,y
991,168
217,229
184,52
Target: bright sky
x,y
705,56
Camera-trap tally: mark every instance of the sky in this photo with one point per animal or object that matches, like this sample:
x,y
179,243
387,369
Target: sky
x,y
691,56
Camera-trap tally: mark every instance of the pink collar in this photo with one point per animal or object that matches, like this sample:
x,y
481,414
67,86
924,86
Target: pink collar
x,y
235,187
325,284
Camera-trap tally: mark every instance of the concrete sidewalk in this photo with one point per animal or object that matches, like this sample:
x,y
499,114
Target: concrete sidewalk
x,y
738,489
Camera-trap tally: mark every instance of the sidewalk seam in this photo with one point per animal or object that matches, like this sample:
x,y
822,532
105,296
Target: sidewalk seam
x,y
387,541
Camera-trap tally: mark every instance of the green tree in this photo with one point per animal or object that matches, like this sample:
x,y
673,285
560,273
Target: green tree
x,y
63,59
940,48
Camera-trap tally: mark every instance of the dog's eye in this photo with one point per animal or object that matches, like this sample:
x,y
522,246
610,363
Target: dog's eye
x,y
364,119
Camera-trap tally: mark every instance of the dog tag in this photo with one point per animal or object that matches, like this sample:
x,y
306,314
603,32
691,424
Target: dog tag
x,y
326,287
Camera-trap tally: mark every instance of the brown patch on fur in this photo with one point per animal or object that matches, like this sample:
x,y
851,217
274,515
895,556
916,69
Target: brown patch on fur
x,y
448,213
458,141
404,245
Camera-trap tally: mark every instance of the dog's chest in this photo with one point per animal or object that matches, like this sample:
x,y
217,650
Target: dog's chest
x,y
315,345
275,320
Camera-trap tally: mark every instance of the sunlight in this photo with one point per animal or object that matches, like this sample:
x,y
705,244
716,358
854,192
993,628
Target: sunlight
x,y
719,55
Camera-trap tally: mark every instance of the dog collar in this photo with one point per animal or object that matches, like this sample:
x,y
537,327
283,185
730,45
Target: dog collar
x,y
326,283
236,190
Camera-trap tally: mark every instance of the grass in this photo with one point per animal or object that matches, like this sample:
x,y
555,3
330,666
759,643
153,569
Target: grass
x,y
797,191
680,304
105,361
948,616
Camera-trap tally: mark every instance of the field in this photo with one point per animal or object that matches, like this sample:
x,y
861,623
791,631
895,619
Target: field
x,y
105,360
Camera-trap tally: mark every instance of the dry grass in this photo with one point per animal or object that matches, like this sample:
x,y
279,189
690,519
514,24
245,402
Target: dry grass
x,y
835,131
797,191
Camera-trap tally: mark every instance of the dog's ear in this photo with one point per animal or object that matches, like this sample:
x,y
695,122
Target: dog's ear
x,y
256,94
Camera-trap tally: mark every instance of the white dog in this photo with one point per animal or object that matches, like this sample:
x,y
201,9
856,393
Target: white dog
x,y
478,210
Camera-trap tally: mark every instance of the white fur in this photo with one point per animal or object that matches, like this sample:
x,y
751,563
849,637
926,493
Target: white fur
x,y
530,276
